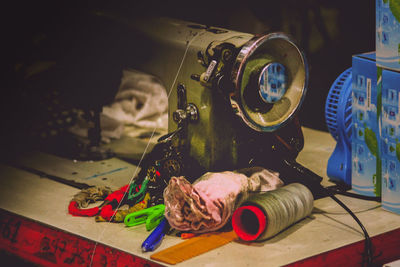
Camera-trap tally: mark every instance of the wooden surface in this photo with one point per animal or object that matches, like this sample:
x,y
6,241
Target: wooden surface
x,y
112,172
329,227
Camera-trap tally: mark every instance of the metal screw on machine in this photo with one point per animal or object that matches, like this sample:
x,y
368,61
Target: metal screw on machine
x,y
191,114
195,77
227,55
179,115
185,111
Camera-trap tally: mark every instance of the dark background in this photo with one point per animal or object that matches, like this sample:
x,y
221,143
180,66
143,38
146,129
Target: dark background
x,y
88,51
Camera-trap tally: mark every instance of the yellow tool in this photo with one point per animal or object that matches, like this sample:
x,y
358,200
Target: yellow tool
x,y
194,247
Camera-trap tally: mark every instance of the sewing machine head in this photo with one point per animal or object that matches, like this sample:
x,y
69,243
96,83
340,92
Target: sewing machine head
x,y
231,94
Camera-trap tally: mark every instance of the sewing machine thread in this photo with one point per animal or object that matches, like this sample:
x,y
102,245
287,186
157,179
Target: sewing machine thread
x,y
264,215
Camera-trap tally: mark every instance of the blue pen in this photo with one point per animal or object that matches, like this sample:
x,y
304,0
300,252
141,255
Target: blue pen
x,y
155,238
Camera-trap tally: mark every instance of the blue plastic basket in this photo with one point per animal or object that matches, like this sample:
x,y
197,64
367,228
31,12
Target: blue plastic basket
x,y
338,119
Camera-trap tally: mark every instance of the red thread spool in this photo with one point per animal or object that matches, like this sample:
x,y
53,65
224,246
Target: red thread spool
x,y
262,216
249,222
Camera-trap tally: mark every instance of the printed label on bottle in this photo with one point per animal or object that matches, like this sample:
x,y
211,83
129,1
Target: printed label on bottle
x,y
398,102
368,93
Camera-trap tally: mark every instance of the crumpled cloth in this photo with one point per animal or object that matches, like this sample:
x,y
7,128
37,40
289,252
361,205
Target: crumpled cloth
x,y
208,203
141,101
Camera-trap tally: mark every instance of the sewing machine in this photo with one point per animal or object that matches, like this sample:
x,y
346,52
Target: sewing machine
x,y
230,91
233,97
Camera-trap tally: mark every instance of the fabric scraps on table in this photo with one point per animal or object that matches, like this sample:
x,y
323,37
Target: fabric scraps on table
x,y
91,195
208,203
113,207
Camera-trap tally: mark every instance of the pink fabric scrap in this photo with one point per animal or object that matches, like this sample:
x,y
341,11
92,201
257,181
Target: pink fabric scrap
x,y
208,203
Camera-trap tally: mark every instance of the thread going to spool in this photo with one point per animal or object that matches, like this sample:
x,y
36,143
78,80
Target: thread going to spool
x,y
264,215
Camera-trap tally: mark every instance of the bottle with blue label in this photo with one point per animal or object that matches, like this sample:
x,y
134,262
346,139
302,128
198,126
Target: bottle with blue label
x,y
366,170
390,140
388,34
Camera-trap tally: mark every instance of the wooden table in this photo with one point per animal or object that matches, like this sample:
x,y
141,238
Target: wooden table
x,y
36,226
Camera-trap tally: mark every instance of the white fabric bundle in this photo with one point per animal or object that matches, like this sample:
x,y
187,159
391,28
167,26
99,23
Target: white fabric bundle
x,y
141,101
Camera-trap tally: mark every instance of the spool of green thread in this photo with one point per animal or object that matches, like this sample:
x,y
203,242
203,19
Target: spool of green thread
x,y
264,215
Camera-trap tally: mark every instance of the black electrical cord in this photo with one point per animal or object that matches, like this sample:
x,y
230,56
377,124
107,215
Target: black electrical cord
x,y
291,168
367,256
353,195
368,251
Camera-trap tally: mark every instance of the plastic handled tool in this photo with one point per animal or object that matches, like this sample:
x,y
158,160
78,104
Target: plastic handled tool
x,y
154,239
151,216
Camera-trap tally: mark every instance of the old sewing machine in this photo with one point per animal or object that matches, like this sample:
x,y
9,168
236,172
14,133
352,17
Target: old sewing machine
x,y
233,99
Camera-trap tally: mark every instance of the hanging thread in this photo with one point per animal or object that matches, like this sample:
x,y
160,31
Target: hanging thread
x,y
188,44
264,215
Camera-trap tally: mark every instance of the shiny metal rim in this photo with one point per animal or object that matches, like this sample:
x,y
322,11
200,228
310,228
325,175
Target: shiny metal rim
x,y
237,72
